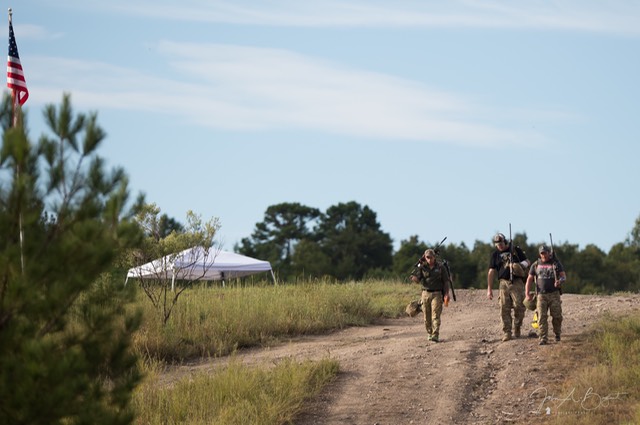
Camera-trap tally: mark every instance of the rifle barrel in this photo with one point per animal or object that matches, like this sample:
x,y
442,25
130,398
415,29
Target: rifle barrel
x,y
510,255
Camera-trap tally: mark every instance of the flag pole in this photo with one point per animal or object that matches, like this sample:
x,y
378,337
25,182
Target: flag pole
x,y
14,95
15,120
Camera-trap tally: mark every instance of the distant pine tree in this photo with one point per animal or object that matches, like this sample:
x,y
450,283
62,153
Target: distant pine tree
x,y
65,329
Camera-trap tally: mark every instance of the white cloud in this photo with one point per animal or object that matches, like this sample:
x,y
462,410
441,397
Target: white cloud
x,y
28,31
613,16
249,88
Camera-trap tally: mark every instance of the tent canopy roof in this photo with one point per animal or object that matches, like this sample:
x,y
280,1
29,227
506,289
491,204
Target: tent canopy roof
x,y
199,263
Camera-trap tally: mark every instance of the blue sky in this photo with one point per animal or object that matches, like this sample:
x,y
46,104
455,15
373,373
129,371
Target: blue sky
x,y
445,118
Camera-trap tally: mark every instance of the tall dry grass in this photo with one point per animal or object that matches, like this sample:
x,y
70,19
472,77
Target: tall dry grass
x,y
234,395
216,321
604,389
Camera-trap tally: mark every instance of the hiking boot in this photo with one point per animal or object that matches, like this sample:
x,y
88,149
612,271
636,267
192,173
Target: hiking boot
x,y
516,333
435,338
543,342
506,337
557,338
429,338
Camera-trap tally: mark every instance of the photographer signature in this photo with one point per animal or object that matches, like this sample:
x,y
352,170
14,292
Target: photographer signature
x,y
589,401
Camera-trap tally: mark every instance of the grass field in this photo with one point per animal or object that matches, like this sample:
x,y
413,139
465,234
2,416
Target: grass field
x,y
216,321
210,322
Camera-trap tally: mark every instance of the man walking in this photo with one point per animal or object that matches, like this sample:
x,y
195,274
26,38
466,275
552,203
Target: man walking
x,y
509,263
434,277
549,275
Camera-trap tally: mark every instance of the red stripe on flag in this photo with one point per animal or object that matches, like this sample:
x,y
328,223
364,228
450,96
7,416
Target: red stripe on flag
x,y
15,74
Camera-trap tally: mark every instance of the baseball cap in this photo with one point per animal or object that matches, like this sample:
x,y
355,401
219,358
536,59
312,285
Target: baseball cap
x,y
499,237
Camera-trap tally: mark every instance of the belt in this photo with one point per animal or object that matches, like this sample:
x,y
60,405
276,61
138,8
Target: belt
x,y
432,290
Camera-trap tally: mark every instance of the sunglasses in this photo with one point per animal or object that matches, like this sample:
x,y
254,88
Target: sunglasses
x,y
430,256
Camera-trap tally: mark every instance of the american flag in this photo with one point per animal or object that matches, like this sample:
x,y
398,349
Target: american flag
x,y
15,76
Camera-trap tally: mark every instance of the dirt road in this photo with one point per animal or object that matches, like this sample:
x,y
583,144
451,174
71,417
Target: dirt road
x,y
390,374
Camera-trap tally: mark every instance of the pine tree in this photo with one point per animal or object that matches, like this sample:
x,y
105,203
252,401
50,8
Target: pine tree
x,y
65,325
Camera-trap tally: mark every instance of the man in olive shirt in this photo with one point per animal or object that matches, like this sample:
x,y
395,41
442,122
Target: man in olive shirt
x,y
433,276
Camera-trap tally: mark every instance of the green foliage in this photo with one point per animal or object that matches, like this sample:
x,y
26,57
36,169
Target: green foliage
x,y
6,112
345,243
351,236
478,257
168,225
407,256
464,272
274,239
157,244
160,241
633,239
592,271
309,259
65,332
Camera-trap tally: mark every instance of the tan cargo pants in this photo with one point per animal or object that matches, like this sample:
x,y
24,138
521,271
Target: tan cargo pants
x,y
511,297
549,304
432,309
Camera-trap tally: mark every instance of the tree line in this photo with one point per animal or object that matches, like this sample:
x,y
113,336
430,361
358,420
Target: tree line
x,y
346,243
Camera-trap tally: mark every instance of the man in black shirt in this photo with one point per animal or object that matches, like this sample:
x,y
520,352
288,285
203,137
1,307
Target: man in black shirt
x,y
509,264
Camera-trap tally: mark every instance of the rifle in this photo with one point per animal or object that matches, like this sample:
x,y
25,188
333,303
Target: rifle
x,y
437,247
444,263
422,259
553,259
510,256
417,265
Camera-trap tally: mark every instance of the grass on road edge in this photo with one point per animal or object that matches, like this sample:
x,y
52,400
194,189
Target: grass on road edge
x,y
604,372
235,394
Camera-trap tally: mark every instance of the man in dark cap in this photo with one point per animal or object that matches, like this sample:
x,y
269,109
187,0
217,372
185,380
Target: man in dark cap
x,y
434,277
510,265
549,275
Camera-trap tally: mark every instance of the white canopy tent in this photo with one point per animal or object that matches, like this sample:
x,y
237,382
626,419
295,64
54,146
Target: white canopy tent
x,y
199,263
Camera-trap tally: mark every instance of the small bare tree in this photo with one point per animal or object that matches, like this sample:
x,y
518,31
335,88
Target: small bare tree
x,y
178,256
